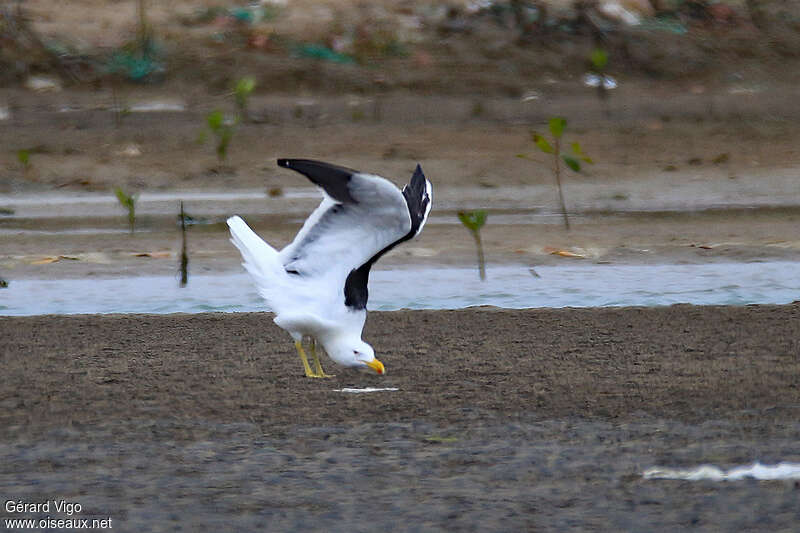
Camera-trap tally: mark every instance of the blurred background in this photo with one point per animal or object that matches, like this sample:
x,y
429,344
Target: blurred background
x,y
678,144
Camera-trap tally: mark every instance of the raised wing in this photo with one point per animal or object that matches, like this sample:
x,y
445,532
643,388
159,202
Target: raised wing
x,y
333,179
418,199
361,215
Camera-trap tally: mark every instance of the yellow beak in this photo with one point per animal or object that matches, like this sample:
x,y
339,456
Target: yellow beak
x,y
376,365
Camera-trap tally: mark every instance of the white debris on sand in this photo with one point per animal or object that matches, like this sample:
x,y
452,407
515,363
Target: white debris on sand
x,y
713,473
591,79
157,106
367,389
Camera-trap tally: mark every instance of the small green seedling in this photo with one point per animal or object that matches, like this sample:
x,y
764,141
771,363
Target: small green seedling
x,y
474,221
241,93
222,130
557,125
24,158
599,60
128,201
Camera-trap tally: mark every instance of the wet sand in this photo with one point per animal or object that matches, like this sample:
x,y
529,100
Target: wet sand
x,y
504,420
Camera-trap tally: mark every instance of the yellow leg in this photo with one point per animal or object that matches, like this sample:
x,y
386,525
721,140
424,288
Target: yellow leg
x,y
317,365
304,359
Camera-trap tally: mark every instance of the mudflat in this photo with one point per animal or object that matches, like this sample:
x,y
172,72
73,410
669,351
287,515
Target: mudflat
x,y
502,420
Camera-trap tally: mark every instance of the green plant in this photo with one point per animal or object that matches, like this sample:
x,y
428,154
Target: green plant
x,y
557,125
222,130
241,93
128,201
24,158
474,221
599,60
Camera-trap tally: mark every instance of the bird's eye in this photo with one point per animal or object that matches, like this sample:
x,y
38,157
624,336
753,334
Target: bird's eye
x,y
355,352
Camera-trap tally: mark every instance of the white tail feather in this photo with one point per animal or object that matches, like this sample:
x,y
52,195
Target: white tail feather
x,y
260,260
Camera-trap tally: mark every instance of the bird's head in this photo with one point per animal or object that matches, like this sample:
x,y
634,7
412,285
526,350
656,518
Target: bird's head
x,y
355,353
365,355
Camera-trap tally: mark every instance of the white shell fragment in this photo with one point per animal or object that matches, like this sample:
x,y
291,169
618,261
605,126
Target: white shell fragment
x,y
367,389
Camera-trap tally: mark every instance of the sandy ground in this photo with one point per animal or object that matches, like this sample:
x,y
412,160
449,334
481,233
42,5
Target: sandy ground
x,y
504,420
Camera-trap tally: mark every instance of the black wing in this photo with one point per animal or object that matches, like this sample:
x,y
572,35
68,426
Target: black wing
x,y
332,178
418,198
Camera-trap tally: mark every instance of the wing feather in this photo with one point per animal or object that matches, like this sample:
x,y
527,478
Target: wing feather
x,y
333,179
361,217
418,195
341,236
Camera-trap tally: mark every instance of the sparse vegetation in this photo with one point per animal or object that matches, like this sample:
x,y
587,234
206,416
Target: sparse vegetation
x,y
24,158
598,61
241,93
557,125
474,221
223,132
128,201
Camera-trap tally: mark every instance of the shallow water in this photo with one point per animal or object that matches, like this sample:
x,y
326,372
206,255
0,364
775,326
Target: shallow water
x,y
587,285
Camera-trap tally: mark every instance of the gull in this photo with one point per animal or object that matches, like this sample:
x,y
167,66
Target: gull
x,y
317,285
